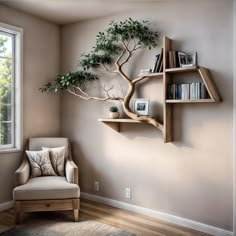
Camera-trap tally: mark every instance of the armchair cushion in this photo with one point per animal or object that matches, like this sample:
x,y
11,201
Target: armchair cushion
x,y
57,157
46,188
40,163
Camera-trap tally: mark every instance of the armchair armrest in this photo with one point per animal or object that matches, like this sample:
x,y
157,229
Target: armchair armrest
x,y
72,172
23,173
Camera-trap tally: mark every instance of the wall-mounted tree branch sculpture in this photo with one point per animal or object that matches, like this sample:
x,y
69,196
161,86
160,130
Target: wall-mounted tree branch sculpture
x,y
114,48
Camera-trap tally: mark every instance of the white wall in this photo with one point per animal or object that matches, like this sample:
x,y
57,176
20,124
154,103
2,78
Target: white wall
x,y
41,113
191,177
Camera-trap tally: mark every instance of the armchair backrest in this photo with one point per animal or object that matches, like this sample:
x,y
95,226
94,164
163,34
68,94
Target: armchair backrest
x,y
36,144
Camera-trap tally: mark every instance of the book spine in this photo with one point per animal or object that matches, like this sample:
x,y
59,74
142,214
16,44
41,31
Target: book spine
x,y
174,59
174,91
188,91
170,61
169,95
179,91
177,59
203,91
183,91
192,91
156,62
198,90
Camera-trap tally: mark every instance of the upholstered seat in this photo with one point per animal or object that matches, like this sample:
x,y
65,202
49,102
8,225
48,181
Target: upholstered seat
x,y
47,193
56,187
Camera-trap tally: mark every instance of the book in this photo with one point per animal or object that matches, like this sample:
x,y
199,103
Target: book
x,y
170,60
160,61
185,91
177,59
161,67
155,64
192,91
204,93
174,59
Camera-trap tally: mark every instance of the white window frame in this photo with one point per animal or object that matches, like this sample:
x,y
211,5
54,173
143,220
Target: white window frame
x,y
18,78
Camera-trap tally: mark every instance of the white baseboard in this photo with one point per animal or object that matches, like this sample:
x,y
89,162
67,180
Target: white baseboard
x,y
6,205
159,215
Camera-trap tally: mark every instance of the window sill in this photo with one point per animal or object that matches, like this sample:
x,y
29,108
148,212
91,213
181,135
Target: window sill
x,y
10,150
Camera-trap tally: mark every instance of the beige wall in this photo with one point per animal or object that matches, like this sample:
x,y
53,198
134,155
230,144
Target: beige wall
x,y
41,63
191,177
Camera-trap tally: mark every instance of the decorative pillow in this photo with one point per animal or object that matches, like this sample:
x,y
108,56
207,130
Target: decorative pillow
x,y
57,157
40,163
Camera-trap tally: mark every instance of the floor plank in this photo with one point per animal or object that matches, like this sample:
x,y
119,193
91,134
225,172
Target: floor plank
x,y
135,223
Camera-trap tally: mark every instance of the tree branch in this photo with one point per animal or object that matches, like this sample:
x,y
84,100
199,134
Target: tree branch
x,y
134,81
87,97
119,58
107,70
129,51
108,90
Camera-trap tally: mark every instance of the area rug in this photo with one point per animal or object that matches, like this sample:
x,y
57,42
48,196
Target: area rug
x,y
59,224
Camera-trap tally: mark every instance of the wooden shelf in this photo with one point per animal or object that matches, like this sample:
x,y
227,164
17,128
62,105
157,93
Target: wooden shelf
x,y
204,75
119,120
115,123
190,101
182,69
158,75
167,74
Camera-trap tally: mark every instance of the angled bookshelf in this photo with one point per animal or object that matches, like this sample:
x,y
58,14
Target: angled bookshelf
x,y
167,76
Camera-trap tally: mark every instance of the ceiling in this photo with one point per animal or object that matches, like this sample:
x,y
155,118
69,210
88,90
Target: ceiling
x,y
69,11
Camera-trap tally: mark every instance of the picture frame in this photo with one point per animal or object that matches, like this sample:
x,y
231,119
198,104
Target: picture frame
x,y
187,59
141,106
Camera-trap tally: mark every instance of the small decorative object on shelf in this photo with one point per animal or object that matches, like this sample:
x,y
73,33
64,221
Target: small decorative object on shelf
x,y
141,106
114,112
145,71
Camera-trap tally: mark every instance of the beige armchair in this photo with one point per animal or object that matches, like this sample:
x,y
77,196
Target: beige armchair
x,y
47,193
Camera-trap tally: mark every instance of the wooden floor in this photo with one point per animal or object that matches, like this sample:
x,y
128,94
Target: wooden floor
x,y
131,222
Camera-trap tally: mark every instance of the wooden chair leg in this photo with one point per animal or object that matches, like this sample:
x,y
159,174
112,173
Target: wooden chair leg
x,y
76,207
17,212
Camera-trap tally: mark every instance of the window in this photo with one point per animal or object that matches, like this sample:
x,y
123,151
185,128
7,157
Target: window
x,y
10,87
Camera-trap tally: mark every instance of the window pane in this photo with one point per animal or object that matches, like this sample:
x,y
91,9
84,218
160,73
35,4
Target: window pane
x,y
5,113
6,45
5,95
5,133
5,72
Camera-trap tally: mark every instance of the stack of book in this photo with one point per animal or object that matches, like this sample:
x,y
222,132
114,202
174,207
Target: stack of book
x,y
158,65
173,59
192,91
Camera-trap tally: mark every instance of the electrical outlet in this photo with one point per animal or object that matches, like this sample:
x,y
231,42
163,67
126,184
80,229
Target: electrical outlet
x,y
96,186
128,193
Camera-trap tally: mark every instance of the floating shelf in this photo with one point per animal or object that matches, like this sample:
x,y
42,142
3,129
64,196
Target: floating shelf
x,y
182,69
115,123
190,101
158,75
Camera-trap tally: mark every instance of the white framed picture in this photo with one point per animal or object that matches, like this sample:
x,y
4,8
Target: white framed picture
x,y
141,106
187,59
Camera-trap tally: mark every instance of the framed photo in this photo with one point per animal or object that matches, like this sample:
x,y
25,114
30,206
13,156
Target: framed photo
x,y
141,106
187,59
